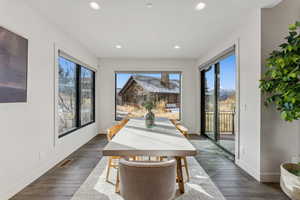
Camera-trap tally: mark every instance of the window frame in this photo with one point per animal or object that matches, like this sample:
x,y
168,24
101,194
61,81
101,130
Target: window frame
x,y
93,97
215,63
150,72
78,95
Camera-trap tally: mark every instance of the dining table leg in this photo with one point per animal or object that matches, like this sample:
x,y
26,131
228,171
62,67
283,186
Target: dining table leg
x,y
180,175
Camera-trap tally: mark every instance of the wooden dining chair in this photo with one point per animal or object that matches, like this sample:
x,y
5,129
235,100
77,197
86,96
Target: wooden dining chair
x,y
123,122
184,131
174,122
113,161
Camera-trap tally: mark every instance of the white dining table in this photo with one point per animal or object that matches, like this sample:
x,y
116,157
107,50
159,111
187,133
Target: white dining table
x,y
163,139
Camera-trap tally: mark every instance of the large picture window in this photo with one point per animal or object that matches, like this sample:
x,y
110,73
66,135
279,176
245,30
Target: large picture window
x,y
76,96
133,89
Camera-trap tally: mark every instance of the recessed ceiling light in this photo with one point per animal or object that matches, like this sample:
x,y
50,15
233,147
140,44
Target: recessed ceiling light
x,y
118,46
94,5
200,6
149,5
177,47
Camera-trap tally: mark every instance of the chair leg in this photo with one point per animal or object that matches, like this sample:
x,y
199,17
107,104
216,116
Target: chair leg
x,y
118,182
108,168
186,169
179,175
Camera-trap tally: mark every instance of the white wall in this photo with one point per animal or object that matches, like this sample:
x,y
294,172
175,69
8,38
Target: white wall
x,y
27,147
280,139
107,82
247,39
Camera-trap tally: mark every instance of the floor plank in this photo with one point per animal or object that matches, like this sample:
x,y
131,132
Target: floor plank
x,y
235,184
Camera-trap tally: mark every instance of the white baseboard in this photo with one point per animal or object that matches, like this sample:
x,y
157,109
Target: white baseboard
x,y
270,177
261,177
249,169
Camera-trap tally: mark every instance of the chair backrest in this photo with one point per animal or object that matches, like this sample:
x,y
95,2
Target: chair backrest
x,y
174,121
147,180
124,122
111,132
182,129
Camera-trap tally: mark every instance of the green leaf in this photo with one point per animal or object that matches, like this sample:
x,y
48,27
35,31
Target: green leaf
x,y
284,115
292,27
293,33
293,75
284,45
289,47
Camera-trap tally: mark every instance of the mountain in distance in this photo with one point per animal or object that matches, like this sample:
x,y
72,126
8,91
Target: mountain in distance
x,y
224,93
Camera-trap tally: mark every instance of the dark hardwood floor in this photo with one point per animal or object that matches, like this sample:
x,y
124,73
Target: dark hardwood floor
x,y
62,181
234,183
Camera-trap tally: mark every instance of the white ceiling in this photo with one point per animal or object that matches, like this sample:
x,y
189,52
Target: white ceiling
x,y
147,32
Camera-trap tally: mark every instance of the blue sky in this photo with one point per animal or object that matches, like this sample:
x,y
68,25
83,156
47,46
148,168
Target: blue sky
x,y
227,74
123,77
68,66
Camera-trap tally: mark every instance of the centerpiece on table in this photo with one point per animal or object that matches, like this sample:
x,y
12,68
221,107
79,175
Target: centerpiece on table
x,y
149,116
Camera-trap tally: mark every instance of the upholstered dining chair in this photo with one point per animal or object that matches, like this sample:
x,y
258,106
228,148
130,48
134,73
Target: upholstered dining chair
x,y
144,180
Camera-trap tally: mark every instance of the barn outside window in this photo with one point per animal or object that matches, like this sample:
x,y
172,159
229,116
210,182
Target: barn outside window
x,y
135,88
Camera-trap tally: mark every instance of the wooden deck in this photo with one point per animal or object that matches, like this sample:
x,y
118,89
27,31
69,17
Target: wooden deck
x,y
61,182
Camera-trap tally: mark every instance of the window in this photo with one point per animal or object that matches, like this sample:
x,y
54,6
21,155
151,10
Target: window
x,y
86,96
135,88
67,95
76,96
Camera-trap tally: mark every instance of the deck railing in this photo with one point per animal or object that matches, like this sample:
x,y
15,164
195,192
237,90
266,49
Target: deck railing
x,y
226,122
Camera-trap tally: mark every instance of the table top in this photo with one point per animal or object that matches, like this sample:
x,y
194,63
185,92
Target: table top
x,y
134,139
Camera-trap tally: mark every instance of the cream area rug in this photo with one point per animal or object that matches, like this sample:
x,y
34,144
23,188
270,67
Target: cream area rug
x,y
199,187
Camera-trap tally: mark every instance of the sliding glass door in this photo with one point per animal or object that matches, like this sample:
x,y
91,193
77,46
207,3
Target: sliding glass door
x,y
209,102
218,100
227,102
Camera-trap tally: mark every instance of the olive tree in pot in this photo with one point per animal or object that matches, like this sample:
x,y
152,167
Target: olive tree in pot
x,y
149,116
281,85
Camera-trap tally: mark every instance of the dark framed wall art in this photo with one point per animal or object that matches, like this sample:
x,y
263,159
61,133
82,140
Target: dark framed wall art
x,y
13,67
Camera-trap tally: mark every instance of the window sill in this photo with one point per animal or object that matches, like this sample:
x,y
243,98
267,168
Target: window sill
x,y
76,129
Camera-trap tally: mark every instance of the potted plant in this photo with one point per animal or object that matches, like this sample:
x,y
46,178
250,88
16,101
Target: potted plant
x,y
149,116
281,85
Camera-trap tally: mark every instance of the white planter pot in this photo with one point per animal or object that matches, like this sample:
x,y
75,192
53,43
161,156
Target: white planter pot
x,y
289,182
